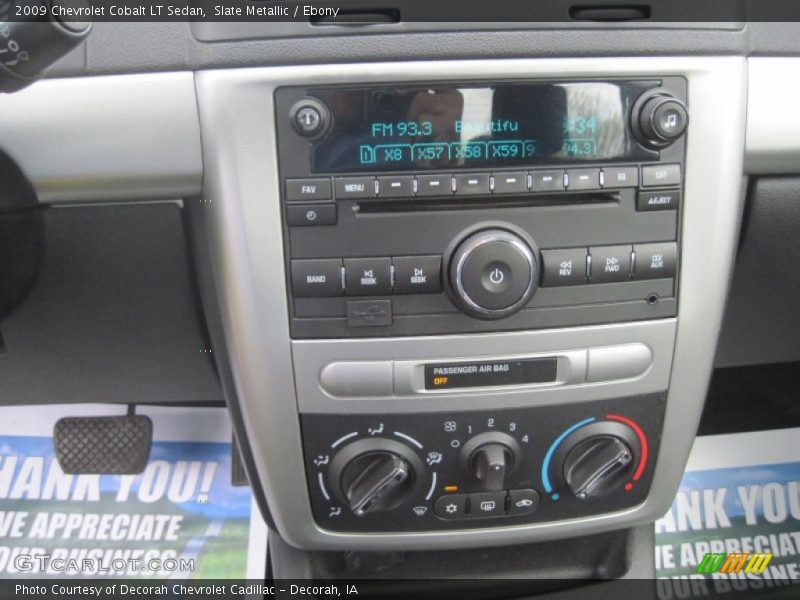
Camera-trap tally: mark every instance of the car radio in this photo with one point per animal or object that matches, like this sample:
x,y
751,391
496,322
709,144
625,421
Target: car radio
x,y
480,206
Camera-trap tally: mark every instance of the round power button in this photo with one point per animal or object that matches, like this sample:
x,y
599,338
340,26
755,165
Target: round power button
x,y
493,273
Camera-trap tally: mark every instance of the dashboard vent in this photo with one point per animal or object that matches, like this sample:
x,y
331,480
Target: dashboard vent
x,y
359,17
609,13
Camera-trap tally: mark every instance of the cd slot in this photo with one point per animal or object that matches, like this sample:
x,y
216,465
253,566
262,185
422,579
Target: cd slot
x,y
483,202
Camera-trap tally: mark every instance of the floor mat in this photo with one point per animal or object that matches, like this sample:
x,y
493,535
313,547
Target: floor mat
x,y
180,518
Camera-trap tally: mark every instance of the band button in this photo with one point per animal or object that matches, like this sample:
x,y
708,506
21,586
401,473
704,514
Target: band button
x,y
317,277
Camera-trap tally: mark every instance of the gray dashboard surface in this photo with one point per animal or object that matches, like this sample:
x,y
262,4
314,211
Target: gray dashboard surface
x,y
138,47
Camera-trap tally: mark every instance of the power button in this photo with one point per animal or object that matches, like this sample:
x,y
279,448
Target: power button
x,y
309,117
493,273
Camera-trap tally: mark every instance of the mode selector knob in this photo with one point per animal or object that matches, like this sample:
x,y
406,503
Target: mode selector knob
x,y
659,119
375,475
493,273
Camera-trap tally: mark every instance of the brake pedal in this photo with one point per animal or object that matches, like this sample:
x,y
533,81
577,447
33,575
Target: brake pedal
x,y
103,445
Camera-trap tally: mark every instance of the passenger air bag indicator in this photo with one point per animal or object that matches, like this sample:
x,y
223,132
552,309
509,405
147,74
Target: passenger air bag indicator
x,y
489,373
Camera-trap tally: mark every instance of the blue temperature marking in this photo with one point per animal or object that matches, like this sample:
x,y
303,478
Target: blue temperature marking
x,y
552,449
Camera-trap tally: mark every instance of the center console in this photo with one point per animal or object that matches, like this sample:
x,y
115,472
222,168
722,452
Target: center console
x,y
456,296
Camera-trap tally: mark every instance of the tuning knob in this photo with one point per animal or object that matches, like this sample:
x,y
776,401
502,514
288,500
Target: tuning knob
x,y
493,273
490,457
375,475
658,119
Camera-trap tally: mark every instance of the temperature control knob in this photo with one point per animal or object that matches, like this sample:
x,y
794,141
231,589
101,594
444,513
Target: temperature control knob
x,y
659,119
493,273
375,475
597,465
597,459
490,457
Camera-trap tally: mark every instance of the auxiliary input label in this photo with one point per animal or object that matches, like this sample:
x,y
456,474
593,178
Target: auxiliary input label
x,y
489,373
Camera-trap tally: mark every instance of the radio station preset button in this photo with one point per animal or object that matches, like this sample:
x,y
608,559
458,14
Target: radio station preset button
x,y
658,200
564,267
655,261
620,177
309,215
434,185
547,181
661,175
417,274
367,276
400,186
472,184
583,179
510,183
317,277
308,189
354,187
610,264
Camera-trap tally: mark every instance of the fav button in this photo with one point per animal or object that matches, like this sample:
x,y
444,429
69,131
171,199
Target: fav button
x,y
487,504
367,276
308,189
522,502
610,264
417,274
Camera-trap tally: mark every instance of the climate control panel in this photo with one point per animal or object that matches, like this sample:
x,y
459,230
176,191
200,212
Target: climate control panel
x,y
488,468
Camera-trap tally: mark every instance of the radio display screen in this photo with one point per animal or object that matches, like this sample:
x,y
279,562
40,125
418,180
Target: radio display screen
x,y
477,126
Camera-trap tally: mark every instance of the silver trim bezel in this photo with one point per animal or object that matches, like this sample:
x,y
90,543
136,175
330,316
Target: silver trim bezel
x,y
241,179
